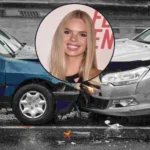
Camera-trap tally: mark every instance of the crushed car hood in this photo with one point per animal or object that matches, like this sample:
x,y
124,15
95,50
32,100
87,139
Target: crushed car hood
x,y
126,49
27,52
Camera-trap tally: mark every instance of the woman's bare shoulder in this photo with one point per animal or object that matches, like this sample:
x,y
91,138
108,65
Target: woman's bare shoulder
x,y
94,73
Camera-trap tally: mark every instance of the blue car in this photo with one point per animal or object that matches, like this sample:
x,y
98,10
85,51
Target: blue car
x,y
34,95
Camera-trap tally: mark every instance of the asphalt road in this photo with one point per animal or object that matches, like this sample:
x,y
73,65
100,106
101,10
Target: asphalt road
x,y
28,138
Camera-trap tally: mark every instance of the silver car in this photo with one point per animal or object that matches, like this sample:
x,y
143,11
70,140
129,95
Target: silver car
x,y
125,83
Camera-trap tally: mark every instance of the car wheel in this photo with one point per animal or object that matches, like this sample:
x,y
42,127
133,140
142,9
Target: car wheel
x,y
33,104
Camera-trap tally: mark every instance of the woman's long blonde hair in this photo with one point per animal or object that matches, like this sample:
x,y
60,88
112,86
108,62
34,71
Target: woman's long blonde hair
x,y
57,61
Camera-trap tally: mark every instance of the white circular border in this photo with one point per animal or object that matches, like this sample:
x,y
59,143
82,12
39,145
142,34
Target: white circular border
x,y
49,24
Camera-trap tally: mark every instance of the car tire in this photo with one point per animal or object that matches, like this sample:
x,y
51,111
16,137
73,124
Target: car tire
x,y
33,104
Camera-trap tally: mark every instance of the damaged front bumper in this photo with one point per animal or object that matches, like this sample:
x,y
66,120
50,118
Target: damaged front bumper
x,y
125,100
108,109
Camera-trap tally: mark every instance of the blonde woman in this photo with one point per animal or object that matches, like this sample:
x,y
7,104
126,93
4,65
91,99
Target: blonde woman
x,y
73,48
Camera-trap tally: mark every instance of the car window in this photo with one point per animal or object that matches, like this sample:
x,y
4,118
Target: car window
x,y
144,37
4,50
14,44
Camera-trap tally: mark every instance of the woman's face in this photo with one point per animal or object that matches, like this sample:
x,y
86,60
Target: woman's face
x,y
75,38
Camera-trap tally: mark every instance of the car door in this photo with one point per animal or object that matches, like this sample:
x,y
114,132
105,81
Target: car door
x,y
2,70
4,54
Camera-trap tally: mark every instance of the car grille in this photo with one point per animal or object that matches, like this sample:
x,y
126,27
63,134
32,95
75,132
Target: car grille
x,y
97,103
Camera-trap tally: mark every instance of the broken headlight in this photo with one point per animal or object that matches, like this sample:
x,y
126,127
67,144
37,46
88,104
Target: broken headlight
x,y
125,77
91,90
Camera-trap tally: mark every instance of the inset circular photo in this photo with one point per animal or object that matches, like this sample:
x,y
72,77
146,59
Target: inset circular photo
x,y
74,43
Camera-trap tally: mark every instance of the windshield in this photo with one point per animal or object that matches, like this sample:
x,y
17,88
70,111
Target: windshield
x,y
12,44
143,37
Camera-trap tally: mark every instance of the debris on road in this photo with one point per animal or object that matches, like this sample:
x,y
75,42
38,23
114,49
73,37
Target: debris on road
x,y
113,130
61,142
106,141
107,122
67,134
97,142
71,115
73,143
84,115
82,133
113,126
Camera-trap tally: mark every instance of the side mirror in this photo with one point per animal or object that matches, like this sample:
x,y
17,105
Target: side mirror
x,y
24,44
